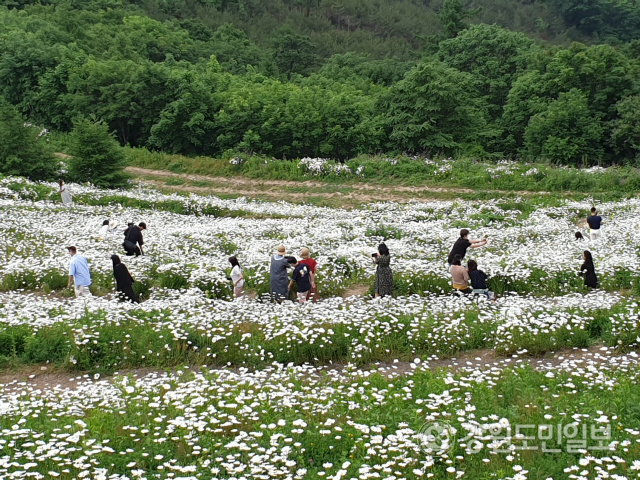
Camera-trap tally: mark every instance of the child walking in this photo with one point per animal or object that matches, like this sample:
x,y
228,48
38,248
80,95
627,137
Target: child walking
x,y
302,277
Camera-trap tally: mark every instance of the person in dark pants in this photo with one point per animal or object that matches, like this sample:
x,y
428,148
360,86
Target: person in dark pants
x,y
133,240
124,280
588,270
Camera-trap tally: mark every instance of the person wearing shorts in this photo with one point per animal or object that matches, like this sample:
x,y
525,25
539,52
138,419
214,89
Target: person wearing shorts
x,y
302,278
79,274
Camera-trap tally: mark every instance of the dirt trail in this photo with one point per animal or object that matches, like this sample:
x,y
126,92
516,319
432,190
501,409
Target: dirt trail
x,y
38,377
354,192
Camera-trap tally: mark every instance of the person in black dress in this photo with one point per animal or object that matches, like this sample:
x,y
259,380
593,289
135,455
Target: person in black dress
x,y
588,271
124,280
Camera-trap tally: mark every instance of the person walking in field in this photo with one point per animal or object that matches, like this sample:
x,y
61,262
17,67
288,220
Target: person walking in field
x,y
79,273
124,280
312,264
67,199
279,283
383,285
595,224
462,244
588,271
237,277
302,278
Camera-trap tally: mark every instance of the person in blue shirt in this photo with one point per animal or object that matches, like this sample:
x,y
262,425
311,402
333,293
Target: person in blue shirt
x,y
302,277
79,274
595,223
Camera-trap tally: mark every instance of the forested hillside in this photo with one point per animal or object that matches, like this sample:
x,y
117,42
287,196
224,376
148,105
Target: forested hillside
x,y
551,79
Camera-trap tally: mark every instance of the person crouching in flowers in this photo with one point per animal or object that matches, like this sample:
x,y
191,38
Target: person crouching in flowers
x,y
478,279
302,278
588,270
459,275
383,284
236,277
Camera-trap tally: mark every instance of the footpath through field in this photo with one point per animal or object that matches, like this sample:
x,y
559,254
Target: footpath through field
x,y
39,378
348,194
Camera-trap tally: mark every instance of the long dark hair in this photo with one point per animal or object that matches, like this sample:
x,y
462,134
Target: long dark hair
x,y
588,259
472,265
457,260
383,250
116,261
234,261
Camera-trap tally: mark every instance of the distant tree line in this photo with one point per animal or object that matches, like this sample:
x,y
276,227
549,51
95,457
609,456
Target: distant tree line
x,y
209,77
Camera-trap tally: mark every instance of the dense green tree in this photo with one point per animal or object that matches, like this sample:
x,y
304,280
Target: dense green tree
x,y
186,124
566,132
23,151
293,53
603,74
96,156
493,55
626,127
452,16
435,109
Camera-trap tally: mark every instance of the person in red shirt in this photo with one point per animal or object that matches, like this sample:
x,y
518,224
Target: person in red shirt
x,y
311,263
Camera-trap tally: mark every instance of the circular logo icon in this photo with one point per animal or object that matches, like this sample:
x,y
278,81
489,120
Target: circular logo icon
x,y
436,438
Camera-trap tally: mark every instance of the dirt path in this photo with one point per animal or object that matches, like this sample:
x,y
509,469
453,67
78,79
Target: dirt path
x,y
348,193
39,378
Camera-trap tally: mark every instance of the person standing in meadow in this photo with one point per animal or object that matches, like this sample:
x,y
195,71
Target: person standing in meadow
x,y
588,270
312,264
67,199
278,274
383,285
79,273
595,224
236,277
302,278
462,244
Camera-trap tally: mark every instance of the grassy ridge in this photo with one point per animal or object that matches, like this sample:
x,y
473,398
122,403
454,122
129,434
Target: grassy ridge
x,y
459,173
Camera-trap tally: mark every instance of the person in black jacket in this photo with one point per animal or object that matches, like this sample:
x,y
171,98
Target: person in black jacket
x,y
133,240
124,280
588,270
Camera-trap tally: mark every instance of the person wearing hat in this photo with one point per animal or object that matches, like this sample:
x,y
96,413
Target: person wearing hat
x,y
279,277
133,240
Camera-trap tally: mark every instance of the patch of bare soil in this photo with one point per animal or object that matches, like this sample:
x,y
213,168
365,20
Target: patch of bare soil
x,y
363,192
359,290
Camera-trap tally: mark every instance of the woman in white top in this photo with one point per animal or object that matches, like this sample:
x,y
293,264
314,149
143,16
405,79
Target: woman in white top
x,y
236,277
104,230
67,199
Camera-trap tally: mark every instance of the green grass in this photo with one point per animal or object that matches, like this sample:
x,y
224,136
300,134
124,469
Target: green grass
x,y
463,173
